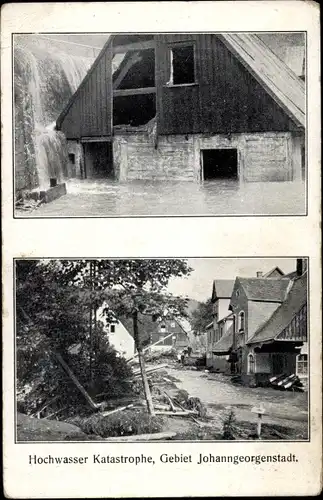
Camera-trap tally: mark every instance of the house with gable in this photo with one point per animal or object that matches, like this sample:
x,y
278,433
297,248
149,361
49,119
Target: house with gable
x,y
119,335
187,106
167,331
270,326
221,324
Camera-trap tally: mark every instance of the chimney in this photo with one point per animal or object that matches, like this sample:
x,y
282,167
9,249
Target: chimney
x,y
259,274
301,265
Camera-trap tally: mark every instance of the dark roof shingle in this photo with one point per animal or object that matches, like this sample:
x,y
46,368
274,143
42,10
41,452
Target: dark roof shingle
x,y
283,315
265,289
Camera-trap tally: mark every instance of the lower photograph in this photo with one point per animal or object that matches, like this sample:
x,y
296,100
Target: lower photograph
x,y
161,349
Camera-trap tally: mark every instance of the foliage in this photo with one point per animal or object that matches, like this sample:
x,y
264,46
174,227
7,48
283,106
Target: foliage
x,y
202,316
56,304
124,423
229,426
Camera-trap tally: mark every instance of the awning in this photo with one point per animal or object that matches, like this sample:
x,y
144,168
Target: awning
x,y
224,345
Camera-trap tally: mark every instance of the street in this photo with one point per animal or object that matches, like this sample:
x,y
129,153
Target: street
x,y
282,408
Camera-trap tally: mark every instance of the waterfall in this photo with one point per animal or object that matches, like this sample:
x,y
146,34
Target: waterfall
x,y
45,77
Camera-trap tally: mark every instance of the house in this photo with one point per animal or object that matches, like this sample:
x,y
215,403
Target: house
x,y
173,332
222,319
119,336
168,332
187,106
270,326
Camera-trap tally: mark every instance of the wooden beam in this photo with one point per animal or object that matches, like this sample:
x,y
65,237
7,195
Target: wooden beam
x,y
121,49
80,387
143,437
124,92
100,138
135,57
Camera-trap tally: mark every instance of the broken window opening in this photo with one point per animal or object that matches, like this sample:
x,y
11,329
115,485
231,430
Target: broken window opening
x,y
182,65
136,70
134,110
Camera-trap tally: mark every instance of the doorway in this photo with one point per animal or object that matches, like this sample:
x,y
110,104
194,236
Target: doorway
x,y
219,164
98,160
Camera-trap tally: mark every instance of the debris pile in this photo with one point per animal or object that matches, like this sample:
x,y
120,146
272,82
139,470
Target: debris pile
x,y
27,204
285,382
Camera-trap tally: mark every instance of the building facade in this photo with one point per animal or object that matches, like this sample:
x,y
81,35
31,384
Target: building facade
x,y
187,107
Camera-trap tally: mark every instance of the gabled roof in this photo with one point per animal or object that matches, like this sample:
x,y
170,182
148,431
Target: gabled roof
x,y
273,271
283,315
284,86
64,112
224,345
281,83
148,327
222,289
264,289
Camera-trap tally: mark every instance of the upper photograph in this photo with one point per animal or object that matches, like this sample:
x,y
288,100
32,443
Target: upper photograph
x,y
159,124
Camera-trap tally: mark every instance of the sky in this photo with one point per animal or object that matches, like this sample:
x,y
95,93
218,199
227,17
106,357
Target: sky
x,y
198,285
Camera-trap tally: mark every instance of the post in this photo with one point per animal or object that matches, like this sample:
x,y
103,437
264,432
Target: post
x,y
141,359
90,326
259,425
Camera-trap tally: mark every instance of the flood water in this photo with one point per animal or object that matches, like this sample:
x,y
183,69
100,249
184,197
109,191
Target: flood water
x,y
108,198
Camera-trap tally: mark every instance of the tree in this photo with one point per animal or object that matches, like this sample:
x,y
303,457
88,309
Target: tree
x,y
141,288
58,300
202,316
53,300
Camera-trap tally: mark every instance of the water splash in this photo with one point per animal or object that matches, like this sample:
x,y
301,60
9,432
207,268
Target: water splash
x,y
45,77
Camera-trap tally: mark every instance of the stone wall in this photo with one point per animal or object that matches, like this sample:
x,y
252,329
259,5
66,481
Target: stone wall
x,y
261,157
137,158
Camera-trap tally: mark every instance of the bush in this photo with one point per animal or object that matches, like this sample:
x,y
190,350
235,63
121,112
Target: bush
x,y
229,426
125,423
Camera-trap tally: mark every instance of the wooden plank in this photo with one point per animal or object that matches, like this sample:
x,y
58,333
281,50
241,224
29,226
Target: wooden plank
x,y
96,139
125,92
186,413
121,49
122,408
143,437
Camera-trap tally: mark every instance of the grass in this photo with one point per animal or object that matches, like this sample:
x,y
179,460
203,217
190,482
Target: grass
x,y
125,423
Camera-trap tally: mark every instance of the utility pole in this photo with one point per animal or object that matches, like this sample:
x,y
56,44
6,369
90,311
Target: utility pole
x,y
141,359
90,326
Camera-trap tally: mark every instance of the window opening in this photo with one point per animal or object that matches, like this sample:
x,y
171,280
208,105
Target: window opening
x,y
302,364
241,322
71,157
220,164
182,65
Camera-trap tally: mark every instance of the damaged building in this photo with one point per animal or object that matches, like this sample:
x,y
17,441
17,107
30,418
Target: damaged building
x,y
189,107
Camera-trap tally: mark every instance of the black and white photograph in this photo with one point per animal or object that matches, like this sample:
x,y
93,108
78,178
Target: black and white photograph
x,y
153,350
159,124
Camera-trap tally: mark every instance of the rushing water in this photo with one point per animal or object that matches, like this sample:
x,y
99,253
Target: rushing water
x,y
106,198
45,77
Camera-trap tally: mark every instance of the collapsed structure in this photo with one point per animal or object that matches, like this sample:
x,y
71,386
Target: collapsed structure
x,y
187,107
